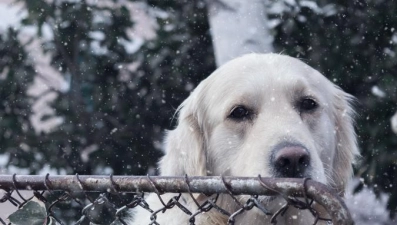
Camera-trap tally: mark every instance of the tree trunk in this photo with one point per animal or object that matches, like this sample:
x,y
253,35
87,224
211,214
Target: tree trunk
x,y
238,27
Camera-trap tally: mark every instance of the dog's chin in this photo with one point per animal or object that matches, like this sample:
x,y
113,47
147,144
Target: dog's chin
x,y
296,174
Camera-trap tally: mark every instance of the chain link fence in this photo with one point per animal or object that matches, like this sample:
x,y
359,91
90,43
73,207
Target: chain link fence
x,y
94,196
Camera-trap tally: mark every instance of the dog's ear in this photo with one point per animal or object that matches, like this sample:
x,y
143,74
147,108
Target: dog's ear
x,y
346,143
185,146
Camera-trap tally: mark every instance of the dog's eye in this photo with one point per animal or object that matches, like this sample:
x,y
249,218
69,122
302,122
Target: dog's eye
x,y
240,112
307,104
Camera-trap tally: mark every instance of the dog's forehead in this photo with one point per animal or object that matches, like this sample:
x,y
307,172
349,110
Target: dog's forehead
x,y
257,79
265,72
266,66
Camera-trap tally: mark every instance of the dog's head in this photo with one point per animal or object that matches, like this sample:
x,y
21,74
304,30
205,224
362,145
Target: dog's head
x,y
264,114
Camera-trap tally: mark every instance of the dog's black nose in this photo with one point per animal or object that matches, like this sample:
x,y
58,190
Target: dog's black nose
x,y
291,161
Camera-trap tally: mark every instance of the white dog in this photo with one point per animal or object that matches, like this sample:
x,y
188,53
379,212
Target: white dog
x,y
262,114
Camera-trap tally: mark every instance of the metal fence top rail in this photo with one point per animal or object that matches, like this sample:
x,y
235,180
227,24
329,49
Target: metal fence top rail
x,y
292,187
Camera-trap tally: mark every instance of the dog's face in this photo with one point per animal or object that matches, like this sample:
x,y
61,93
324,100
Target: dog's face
x,y
264,114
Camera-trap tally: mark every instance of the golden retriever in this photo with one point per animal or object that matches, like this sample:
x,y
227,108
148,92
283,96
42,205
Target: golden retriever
x,y
264,114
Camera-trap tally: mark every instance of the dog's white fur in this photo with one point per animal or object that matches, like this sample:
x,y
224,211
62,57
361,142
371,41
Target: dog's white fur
x,y
207,141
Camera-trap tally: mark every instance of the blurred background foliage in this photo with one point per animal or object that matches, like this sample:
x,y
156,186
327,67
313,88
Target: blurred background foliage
x,y
113,117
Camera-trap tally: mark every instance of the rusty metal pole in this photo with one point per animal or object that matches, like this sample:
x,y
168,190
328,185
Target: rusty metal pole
x,y
320,193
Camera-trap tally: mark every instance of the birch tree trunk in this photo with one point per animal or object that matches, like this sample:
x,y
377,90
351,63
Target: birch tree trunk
x,y
238,27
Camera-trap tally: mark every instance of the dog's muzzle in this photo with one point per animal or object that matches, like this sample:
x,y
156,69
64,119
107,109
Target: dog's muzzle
x,y
290,160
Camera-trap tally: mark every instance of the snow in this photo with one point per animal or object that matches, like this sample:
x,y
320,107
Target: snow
x,y
132,46
48,77
290,2
145,25
85,153
375,90
97,35
97,49
394,38
101,170
10,15
4,158
393,121
47,34
389,52
48,170
280,7
4,72
366,208
143,29
311,5
276,8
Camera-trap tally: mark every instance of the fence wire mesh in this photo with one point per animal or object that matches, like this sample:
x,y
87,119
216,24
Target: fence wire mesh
x,y
107,199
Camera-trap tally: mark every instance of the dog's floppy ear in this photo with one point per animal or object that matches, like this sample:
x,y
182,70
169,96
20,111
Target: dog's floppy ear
x,y
185,146
346,143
